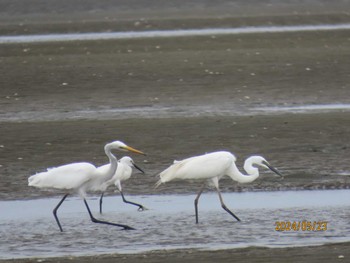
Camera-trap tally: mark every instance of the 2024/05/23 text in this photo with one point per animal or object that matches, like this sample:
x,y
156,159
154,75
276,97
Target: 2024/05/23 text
x,y
301,226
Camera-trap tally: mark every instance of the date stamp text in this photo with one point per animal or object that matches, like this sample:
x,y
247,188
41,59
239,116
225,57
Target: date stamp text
x,y
309,226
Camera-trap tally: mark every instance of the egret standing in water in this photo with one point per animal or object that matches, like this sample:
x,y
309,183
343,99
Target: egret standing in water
x,y
81,178
210,168
123,173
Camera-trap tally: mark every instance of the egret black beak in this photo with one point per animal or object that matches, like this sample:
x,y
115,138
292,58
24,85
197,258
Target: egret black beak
x,y
273,169
138,168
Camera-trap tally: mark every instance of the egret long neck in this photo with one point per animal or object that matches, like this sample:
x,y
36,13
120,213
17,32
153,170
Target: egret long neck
x,y
112,161
252,173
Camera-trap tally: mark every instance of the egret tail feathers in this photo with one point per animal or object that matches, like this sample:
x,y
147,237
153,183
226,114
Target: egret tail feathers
x,y
158,183
35,180
31,180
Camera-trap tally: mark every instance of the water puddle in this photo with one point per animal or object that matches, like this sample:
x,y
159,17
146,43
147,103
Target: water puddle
x,y
28,228
167,33
305,108
166,112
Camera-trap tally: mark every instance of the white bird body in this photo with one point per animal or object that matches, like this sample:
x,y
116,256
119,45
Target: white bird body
x,y
208,166
199,167
81,178
211,167
74,177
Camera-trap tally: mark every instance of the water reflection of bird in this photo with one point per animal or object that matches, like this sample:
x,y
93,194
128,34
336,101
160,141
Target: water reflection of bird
x,y
122,174
81,178
210,168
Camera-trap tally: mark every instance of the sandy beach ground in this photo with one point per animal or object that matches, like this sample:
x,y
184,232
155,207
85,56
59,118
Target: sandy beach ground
x,y
328,253
60,102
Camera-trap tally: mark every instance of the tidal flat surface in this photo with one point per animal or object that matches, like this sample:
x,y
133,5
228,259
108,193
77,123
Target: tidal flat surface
x,y
282,95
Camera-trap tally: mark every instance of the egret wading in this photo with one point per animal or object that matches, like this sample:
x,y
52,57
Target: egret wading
x,y
122,174
81,178
210,168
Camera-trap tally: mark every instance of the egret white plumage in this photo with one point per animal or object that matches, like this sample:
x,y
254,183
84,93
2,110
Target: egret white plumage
x,y
122,174
210,168
81,178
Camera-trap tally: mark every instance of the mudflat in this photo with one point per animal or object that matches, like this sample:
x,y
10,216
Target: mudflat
x,y
178,97
299,145
327,253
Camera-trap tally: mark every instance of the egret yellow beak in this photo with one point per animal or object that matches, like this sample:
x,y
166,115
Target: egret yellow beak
x,y
130,149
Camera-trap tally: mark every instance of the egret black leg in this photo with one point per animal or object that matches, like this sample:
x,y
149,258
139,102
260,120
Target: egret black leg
x,y
141,207
225,207
196,202
93,219
55,211
101,203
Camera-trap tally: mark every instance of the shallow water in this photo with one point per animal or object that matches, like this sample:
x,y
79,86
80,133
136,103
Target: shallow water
x,y
29,229
168,112
167,33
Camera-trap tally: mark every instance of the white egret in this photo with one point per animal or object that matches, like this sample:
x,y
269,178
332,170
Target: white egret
x,y
210,168
122,174
81,178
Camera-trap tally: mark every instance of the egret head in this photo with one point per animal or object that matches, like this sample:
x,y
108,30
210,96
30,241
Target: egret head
x,y
128,161
261,161
118,145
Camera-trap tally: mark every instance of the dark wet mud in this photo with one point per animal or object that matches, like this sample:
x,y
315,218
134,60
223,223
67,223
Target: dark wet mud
x,y
234,72
92,16
309,149
175,98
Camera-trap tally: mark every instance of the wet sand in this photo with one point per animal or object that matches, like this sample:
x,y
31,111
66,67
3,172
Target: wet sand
x,y
302,138
73,16
234,72
327,253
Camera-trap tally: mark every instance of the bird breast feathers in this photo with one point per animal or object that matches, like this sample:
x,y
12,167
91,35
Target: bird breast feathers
x,y
68,176
122,173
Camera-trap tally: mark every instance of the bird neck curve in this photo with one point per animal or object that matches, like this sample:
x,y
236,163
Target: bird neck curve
x,y
113,161
252,172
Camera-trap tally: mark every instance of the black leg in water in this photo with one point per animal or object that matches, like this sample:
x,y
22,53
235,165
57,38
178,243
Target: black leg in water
x,y
196,202
55,211
141,207
101,203
225,207
93,219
